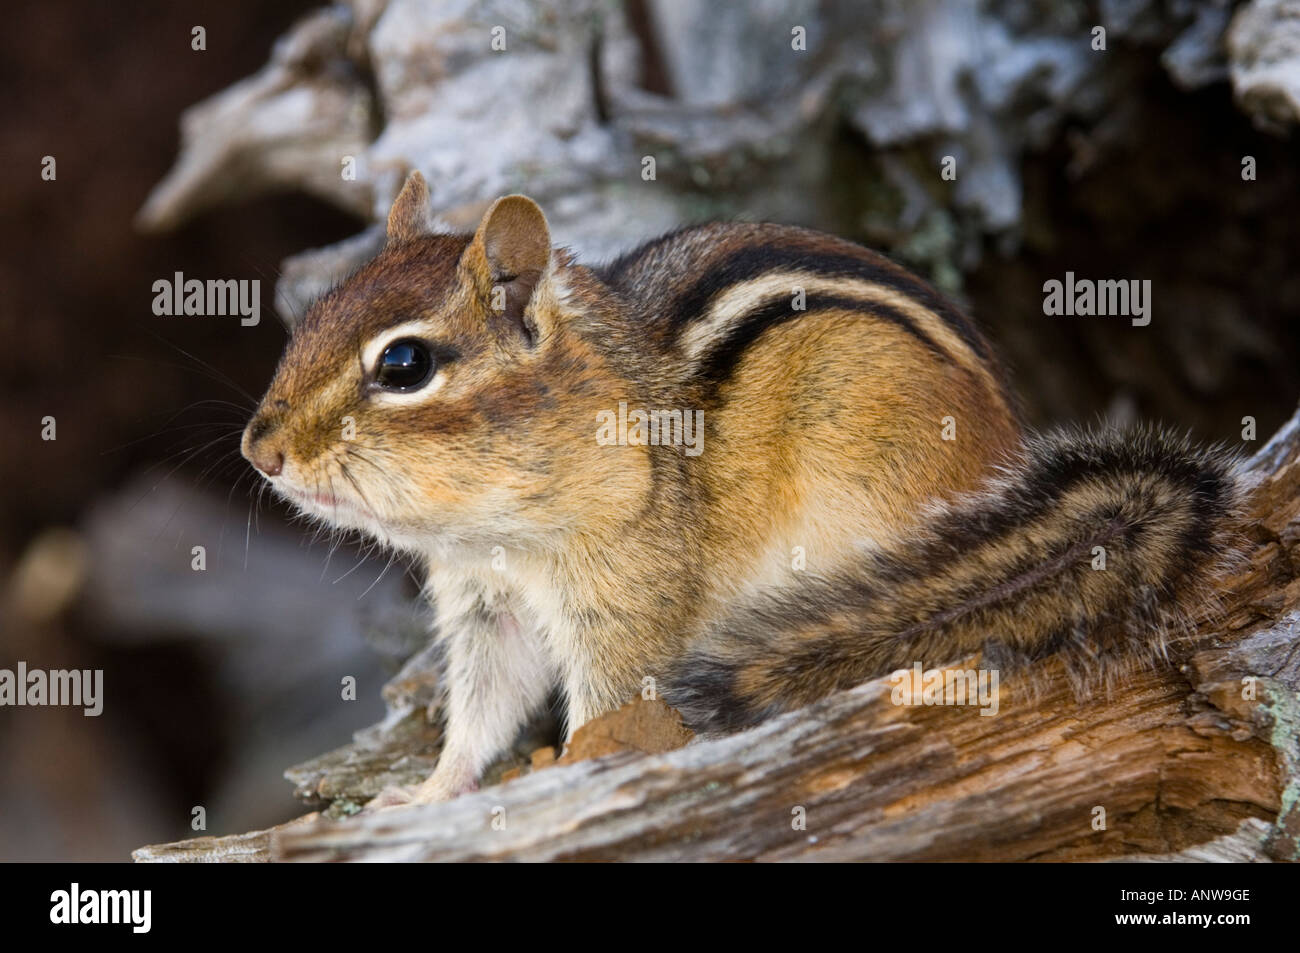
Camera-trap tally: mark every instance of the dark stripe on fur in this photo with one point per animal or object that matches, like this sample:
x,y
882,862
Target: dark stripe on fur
x,y
1162,509
756,261
722,360
1057,464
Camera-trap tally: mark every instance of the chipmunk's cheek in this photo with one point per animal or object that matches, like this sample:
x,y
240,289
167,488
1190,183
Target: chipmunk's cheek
x,y
441,498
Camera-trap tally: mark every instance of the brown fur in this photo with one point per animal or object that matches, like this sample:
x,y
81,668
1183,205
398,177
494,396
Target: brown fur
x,y
554,559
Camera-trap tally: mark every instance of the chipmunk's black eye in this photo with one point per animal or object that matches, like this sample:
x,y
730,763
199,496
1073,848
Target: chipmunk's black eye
x,y
404,365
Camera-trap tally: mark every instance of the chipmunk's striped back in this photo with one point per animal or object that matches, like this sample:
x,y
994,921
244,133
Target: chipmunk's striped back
x,y
841,393
712,290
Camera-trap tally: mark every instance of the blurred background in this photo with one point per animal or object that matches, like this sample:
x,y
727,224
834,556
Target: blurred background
x,y
1122,162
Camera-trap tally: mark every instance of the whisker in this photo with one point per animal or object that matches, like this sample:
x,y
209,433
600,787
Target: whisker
x,y
387,566
206,371
221,375
188,454
228,430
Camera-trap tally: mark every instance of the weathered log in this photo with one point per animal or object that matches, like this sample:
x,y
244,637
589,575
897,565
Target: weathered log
x,y
1244,846
358,92
250,848
1184,757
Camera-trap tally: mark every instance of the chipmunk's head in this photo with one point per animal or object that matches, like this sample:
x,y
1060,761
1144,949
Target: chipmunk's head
x,y
438,396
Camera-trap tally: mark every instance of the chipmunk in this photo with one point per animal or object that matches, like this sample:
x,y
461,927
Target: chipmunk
x,y
862,495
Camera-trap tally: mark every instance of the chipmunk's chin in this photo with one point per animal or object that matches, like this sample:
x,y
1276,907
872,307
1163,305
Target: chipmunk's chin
x,y
345,512
349,514
336,509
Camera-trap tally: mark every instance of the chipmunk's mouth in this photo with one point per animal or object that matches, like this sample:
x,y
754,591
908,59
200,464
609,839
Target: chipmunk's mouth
x,y
329,505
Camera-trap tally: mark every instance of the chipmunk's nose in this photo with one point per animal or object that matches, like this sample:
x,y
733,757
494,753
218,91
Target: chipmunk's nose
x,y
261,447
269,462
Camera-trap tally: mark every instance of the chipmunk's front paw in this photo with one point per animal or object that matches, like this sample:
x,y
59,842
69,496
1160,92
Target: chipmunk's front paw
x,y
390,797
436,788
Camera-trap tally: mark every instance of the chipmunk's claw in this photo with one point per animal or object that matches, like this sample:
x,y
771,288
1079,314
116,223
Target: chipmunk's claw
x,y
390,797
430,792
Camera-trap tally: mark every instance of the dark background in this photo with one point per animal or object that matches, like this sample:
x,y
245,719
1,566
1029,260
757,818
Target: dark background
x,y
101,86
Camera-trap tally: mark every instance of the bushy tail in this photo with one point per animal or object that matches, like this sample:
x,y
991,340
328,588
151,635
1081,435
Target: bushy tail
x,y
1014,571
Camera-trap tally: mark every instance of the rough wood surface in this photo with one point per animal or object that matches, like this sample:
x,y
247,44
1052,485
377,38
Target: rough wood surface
x,y
1188,760
250,848
1243,846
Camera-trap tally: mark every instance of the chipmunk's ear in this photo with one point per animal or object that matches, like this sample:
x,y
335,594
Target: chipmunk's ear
x,y
409,216
510,253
